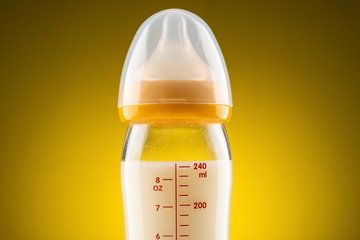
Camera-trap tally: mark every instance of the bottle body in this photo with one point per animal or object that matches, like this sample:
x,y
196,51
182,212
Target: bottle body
x,y
176,181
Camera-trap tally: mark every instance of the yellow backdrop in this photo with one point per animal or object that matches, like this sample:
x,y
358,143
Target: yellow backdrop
x,y
294,70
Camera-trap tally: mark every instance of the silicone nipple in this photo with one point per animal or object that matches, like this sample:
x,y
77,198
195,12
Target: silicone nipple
x,y
174,58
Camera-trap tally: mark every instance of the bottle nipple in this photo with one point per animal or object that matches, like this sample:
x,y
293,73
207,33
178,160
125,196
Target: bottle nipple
x,y
174,57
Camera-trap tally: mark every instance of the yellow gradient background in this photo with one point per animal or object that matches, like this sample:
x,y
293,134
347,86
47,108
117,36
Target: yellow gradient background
x,y
294,134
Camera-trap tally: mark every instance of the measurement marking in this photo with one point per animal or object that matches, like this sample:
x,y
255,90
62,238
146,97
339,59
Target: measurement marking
x,y
168,206
167,179
167,235
176,233
183,185
184,195
185,205
184,166
184,235
184,225
184,215
184,176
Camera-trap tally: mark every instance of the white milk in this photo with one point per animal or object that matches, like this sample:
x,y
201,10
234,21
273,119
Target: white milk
x,y
176,200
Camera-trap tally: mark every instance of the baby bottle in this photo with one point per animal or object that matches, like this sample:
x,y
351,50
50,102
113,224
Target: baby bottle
x,y
176,168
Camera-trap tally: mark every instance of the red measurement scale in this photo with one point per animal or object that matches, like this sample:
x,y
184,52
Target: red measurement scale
x,y
182,205
177,200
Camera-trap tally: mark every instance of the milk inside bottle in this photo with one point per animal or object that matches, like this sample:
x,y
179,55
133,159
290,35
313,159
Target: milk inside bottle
x,y
176,169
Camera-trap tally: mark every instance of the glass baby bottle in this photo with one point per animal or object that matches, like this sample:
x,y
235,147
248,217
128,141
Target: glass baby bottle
x,y
176,169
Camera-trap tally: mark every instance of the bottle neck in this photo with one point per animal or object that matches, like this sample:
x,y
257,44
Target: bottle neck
x,y
175,111
176,141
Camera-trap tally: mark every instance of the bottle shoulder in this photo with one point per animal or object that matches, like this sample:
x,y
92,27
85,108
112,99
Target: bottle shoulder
x,y
160,142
